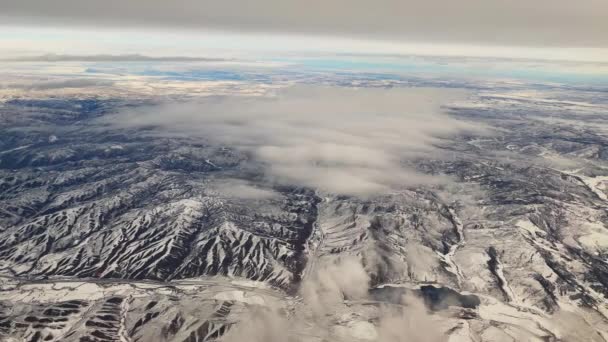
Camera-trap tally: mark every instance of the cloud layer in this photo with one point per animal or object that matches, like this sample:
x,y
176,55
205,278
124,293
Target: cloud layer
x,y
539,22
108,58
75,83
341,140
323,295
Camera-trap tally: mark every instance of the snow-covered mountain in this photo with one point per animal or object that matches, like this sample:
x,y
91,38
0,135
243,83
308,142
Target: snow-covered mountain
x,y
124,234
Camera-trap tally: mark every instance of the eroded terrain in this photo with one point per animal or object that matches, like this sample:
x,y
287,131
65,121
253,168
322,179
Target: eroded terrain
x,y
123,234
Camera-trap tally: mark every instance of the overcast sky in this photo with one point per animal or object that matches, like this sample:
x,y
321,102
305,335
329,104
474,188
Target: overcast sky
x,y
517,22
527,23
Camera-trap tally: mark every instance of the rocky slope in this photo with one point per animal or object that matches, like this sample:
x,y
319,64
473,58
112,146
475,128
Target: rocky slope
x,y
122,235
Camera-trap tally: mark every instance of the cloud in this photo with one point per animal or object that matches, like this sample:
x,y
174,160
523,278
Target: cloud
x,y
261,325
60,84
333,283
340,140
518,22
411,322
235,188
108,58
574,328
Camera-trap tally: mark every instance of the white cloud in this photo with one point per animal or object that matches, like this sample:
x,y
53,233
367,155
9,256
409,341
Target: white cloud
x,y
323,297
341,140
107,58
235,188
61,84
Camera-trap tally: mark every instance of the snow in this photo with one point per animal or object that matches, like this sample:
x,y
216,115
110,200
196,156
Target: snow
x,y
360,330
240,296
54,292
529,227
593,236
535,324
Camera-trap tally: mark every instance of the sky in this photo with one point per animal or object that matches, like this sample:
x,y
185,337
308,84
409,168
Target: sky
x,y
543,29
